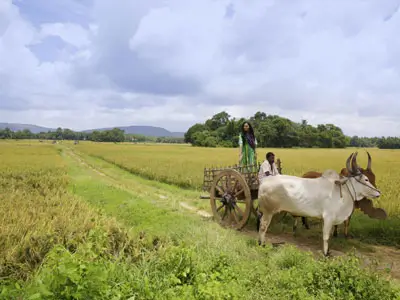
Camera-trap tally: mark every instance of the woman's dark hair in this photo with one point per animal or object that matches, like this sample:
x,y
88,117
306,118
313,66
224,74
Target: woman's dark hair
x,y
248,136
251,130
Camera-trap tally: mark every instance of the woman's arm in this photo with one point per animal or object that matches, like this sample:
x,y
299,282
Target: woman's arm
x,y
240,147
255,150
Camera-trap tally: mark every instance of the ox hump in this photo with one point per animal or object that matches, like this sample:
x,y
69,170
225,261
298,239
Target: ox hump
x,y
331,175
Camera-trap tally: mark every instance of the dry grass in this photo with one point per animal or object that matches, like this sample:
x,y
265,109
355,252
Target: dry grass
x,y
36,210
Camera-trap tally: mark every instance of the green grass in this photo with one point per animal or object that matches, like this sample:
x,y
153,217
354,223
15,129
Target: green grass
x,y
160,251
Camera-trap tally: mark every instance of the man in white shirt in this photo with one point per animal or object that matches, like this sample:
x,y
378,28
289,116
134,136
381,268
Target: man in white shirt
x,y
268,167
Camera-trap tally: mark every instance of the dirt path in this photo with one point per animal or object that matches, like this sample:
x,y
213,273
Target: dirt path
x,y
386,258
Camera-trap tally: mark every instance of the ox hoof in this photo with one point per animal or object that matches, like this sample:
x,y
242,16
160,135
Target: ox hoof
x,y
262,244
349,237
328,254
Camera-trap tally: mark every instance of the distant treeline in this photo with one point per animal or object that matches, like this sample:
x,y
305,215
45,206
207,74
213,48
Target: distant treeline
x,y
274,131
113,135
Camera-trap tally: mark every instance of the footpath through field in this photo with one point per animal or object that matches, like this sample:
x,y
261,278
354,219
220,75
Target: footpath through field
x,y
173,198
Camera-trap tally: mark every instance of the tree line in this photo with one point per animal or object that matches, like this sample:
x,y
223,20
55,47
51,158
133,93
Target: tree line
x,y
114,135
222,130
274,131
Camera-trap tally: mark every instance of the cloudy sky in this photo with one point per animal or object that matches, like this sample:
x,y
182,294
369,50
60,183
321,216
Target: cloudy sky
x,y
94,63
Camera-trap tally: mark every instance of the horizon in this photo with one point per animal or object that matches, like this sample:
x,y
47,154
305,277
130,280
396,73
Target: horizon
x,y
83,64
85,129
160,127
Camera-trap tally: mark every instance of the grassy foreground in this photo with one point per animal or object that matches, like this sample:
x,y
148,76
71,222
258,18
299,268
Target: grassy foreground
x,y
56,244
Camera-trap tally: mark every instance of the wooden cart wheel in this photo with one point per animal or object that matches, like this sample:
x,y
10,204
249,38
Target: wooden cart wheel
x,y
230,199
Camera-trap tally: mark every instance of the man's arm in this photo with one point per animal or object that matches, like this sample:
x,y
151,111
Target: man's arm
x,y
263,171
266,169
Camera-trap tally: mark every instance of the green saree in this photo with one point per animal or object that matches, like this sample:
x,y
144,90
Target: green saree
x,y
249,156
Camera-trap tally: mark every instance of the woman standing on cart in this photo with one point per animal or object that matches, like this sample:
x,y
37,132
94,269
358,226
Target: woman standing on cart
x,y
247,147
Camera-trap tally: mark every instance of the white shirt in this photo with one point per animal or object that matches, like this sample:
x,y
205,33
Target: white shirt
x,y
266,167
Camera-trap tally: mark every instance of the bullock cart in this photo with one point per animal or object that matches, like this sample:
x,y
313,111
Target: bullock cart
x,y
231,191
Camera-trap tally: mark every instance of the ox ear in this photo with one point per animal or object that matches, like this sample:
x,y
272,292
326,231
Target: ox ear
x,y
367,207
341,181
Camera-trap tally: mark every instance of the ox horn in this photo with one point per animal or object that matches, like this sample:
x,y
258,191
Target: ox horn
x,y
369,161
354,166
348,163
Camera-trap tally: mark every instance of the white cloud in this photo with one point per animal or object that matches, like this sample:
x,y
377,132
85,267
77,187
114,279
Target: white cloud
x,y
173,63
73,34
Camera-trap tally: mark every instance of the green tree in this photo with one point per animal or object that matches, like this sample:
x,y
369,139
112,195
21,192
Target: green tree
x,y
217,121
270,130
192,130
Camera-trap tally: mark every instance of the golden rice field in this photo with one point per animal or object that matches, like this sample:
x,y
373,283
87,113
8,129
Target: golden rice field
x,y
183,165
36,210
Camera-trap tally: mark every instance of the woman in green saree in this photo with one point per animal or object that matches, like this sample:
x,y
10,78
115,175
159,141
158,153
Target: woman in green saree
x,y
247,146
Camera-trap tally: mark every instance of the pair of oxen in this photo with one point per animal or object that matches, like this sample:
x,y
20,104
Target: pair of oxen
x,y
365,205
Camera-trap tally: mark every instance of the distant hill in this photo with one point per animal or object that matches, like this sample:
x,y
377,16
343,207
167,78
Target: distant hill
x,y
18,127
143,130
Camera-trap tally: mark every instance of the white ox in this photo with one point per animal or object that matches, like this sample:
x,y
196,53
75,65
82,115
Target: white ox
x,y
330,197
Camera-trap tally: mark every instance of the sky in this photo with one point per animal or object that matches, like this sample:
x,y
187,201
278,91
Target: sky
x,y
84,64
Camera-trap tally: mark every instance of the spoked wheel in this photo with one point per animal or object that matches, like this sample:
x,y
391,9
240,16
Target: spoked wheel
x,y
230,199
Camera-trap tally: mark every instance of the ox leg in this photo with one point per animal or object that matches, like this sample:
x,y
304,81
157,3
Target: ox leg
x,y
305,223
346,229
295,224
346,226
259,215
326,234
335,232
265,221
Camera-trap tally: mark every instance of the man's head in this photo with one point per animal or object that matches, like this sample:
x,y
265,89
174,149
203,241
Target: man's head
x,y
270,157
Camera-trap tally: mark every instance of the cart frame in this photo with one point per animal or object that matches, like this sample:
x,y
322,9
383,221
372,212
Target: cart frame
x,y
232,191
